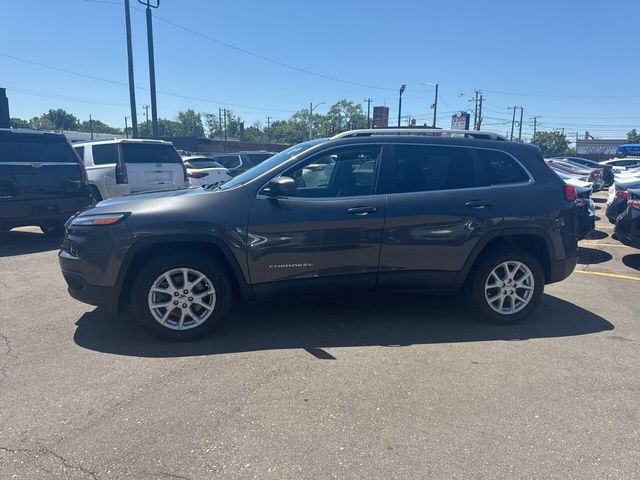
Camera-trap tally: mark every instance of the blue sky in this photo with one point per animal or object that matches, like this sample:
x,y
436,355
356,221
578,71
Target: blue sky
x,y
575,64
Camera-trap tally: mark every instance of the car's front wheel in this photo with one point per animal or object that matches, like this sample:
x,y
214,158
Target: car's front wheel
x,y
507,286
181,296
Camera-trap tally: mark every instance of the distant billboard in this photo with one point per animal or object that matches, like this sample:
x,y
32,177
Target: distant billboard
x,y
460,121
598,147
380,117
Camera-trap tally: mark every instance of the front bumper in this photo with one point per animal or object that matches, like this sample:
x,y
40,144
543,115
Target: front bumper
x,y
84,292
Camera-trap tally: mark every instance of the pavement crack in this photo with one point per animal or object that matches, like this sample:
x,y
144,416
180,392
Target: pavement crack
x,y
167,475
57,456
7,343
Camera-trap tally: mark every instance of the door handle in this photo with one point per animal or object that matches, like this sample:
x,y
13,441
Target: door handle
x,y
479,204
362,210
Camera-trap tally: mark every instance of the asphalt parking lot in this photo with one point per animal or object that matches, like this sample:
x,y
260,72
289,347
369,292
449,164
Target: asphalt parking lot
x,y
378,386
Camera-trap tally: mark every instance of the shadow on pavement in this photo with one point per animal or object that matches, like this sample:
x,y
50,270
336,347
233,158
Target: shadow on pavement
x,y
21,243
632,261
597,235
598,200
592,256
315,323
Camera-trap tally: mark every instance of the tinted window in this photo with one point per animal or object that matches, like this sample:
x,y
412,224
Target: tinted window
x,y
229,161
105,154
345,173
202,163
257,158
34,148
500,168
422,168
149,153
80,152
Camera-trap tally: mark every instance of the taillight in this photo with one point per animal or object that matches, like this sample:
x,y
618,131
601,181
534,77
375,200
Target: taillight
x,y
593,175
184,172
635,203
196,174
121,173
570,193
622,194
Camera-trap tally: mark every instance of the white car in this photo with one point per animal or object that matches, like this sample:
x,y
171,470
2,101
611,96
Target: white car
x,y
622,164
123,166
205,171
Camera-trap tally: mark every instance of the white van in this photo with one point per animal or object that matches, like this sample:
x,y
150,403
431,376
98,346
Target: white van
x,y
124,166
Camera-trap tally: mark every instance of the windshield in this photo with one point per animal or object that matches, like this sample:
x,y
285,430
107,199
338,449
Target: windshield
x,y
270,163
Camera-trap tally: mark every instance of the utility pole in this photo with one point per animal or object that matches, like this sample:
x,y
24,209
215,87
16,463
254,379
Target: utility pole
x,y
220,122
152,67
126,128
311,109
132,88
475,112
513,121
400,103
535,124
479,124
368,100
225,130
435,108
268,129
146,112
520,126
91,126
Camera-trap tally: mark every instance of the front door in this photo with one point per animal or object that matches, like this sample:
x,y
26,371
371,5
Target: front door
x,y
329,233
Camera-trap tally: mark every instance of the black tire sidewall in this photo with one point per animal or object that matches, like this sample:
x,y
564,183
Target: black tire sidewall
x,y
53,230
151,271
478,301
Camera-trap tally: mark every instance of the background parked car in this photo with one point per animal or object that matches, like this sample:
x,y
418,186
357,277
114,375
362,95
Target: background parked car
x,y
42,181
120,167
617,199
239,162
585,212
205,171
595,176
622,163
627,228
607,170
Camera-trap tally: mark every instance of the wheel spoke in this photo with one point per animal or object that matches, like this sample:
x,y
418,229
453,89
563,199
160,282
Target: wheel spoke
x,y
203,305
169,280
183,314
166,315
163,304
193,284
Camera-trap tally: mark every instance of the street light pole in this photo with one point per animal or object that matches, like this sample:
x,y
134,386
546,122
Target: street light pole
x,y
368,100
400,103
152,68
132,88
435,107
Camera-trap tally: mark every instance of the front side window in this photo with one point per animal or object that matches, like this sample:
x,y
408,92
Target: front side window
x,y
424,168
337,173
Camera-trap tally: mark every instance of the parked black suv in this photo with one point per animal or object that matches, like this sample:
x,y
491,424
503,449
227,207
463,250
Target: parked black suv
x,y
42,181
386,210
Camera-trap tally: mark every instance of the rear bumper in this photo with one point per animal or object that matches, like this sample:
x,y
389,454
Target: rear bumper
x,y
629,240
15,213
561,269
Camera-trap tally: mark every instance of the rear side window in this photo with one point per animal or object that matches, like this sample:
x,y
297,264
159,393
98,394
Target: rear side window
x,y
35,149
424,168
500,168
149,153
80,152
257,158
202,163
229,161
105,154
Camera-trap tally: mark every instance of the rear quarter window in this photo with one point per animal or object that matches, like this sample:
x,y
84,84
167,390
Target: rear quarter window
x,y
17,148
105,154
149,153
500,168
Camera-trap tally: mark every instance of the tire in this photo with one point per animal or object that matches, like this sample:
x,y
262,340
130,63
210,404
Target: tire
x,y
53,230
215,278
483,295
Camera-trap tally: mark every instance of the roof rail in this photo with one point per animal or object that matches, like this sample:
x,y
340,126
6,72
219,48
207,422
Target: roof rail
x,y
434,132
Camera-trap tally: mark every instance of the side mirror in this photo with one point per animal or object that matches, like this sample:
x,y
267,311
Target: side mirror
x,y
281,187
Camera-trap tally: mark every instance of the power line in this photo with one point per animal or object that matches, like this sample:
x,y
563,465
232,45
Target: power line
x,y
549,95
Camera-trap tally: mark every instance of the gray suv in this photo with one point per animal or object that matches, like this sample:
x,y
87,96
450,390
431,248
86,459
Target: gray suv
x,y
369,209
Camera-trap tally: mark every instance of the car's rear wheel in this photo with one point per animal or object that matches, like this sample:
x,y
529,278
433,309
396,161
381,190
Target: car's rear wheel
x,y
181,297
507,287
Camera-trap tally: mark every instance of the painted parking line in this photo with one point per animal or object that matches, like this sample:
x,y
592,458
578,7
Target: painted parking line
x,y
611,275
597,244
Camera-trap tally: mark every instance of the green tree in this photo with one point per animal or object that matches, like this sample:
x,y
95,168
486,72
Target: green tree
x,y
19,123
633,136
98,127
551,143
42,123
342,116
191,123
61,119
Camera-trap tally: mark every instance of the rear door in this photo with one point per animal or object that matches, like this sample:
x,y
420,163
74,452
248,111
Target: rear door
x,y
38,167
152,166
437,211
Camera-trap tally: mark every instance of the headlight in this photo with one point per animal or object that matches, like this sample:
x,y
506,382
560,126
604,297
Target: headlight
x,y
100,219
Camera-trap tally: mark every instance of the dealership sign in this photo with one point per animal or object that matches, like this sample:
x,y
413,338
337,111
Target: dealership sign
x,y
460,121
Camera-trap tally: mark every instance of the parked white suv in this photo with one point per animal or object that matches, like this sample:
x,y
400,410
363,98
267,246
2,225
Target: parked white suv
x,y
124,166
